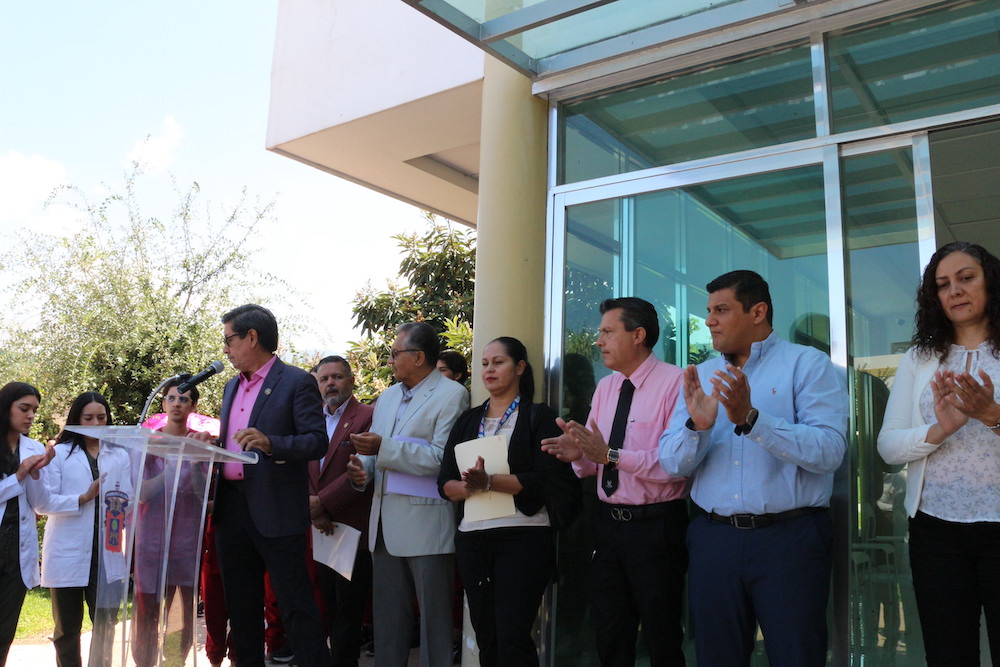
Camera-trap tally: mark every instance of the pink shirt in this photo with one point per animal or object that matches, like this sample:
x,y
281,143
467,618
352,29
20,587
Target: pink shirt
x,y
641,480
247,392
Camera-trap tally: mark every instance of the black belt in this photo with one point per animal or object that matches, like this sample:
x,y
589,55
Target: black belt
x,y
640,512
753,521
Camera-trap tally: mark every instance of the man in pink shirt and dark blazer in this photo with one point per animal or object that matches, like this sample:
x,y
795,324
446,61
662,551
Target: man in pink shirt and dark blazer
x,y
261,511
333,499
639,560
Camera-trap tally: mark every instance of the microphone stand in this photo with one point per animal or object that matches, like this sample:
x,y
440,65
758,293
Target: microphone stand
x,y
149,401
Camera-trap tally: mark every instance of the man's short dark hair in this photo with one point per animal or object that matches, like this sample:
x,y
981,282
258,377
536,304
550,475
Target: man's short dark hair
x,y
748,287
421,336
192,393
636,313
258,318
333,359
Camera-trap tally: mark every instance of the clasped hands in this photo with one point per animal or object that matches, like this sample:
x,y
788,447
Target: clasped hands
x,y
959,397
730,388
366,444
31,465
577,442
474,479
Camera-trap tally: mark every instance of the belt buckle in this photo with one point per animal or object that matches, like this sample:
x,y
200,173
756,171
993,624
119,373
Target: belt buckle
x,y
743,521
621,514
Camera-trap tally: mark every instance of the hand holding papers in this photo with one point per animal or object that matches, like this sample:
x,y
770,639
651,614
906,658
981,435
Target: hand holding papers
x,y
337,551
493,450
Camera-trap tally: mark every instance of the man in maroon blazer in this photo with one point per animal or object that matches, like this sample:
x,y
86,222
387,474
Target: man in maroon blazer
x,y
333,499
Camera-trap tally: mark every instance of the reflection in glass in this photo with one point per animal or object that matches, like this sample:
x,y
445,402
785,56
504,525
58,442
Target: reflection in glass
x,y
880,233
925,65
764,100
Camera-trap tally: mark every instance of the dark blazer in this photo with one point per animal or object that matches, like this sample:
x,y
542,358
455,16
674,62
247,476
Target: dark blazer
x,y
289,411
542,475
341,500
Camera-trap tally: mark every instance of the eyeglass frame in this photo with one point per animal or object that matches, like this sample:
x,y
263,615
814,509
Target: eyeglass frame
x,y
396,353
226,339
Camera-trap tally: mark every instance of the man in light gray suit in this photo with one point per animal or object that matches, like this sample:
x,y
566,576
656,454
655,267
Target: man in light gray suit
x,y
411,529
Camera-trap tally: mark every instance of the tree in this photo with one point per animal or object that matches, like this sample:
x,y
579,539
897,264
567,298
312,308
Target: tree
x,y
127,300
435,284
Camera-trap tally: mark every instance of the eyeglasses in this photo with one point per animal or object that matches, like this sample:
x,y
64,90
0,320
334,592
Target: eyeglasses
x,y
396,353
183,400
226,339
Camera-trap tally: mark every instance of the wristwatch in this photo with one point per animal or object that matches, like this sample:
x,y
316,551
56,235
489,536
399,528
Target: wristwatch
x,y
614,455
748,423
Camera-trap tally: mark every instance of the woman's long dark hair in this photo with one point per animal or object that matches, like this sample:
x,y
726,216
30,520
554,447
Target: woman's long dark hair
x,y
9,393
516,350
934,332
76,414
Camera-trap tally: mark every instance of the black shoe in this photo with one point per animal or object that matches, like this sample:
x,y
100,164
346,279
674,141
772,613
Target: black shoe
x,y
283,655
368,648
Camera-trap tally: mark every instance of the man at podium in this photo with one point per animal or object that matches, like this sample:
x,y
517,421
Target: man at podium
x,y
262,511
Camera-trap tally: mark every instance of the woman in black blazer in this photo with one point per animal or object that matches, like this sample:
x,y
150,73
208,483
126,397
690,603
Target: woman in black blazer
x,y
506,562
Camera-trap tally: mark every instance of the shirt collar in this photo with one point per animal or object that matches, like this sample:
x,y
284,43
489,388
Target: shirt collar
x,y
411,392
643,371
259,374
762,347
339,411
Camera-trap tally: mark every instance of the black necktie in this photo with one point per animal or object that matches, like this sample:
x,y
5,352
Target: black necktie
x,y
610,478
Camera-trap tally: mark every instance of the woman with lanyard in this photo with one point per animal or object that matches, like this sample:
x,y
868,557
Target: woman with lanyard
x,y
22,492
943,421
77,549
506,563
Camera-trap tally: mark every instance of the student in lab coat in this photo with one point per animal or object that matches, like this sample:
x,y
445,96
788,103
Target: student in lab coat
x,y
22,491
84,545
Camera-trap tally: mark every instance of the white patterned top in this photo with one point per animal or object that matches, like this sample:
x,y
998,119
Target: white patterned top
x,y
962,480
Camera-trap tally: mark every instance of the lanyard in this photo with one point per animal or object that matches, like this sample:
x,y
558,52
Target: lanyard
x,y
503,420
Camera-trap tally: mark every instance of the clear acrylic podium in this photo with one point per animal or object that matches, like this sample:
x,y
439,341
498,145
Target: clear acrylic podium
x,y
151,526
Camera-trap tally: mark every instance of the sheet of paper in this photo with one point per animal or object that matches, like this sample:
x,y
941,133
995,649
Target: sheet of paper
x,y
337,551
491,504
408,484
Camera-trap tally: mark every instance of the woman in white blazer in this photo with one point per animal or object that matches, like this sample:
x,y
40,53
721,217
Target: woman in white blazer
x,y
22,491
943,421
76,554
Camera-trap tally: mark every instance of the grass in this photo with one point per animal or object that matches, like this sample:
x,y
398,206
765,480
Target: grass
x,y
35,624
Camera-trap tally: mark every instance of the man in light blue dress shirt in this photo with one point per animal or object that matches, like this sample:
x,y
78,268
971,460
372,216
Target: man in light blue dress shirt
x,y
761,429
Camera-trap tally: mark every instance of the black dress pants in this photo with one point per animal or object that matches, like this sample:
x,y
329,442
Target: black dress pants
x,y
244,555
637,576
12,592
956,577
345,606
505,572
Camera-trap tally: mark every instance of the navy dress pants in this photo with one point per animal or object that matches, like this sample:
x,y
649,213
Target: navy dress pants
x,y
777,576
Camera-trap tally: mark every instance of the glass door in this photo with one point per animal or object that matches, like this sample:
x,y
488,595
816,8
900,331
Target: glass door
x,y
665,245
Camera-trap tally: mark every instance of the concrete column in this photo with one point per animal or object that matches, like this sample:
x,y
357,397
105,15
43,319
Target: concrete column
x,y
510,245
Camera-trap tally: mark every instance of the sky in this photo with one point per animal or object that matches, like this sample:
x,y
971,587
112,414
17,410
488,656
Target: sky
x,y
88,87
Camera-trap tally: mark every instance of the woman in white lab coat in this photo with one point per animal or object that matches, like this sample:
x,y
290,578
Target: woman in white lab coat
x,y
22,491
82,548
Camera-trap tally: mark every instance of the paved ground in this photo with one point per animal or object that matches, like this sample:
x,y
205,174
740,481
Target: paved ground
x,y
43,655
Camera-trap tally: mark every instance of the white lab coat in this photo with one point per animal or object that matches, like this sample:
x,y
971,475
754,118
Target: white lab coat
x,y
69,533
32,494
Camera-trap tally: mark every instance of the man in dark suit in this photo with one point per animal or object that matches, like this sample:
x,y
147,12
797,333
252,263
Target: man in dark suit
x,y
333,499
262,511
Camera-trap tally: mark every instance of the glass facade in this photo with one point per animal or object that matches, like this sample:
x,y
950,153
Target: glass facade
x,y
550,35
759,101
835,183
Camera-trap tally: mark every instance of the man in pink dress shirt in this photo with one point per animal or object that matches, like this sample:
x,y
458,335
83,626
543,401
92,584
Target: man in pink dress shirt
x,y
639,561
261,511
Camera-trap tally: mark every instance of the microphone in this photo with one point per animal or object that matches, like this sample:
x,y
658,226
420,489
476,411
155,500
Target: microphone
x,y
213,368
